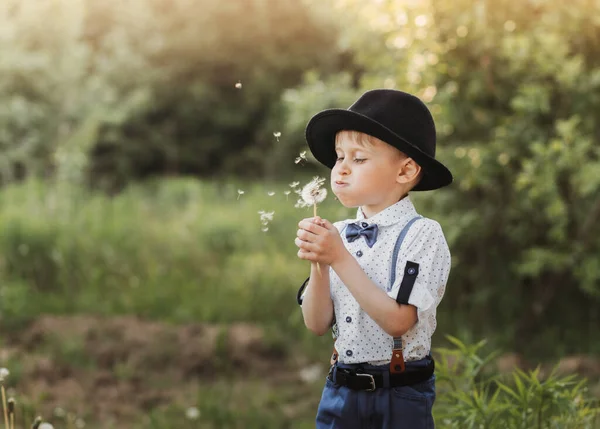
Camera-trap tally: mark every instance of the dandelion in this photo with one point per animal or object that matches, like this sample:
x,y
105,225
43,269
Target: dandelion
x,y
45,426
79,423
11,412
301,158
238,85
270,193
277,134
240,193
36,423
3,374
192,413
59,412
311,195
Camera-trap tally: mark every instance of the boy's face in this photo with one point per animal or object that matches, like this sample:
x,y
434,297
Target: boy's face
x,y
368,172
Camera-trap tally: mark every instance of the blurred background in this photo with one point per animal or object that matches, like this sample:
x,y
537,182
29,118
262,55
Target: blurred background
x,y
141,287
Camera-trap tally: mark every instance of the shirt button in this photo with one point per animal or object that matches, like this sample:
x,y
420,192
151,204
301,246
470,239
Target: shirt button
x,y
348,352
359,253
348,319
364,224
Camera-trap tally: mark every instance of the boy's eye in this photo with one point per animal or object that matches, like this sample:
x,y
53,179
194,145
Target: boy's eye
x,y
340,158
359,160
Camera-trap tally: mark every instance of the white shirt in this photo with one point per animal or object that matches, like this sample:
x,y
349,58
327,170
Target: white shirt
x,y
359,338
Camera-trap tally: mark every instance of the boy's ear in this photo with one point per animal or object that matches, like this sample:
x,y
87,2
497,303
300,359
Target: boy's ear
x,y
409,171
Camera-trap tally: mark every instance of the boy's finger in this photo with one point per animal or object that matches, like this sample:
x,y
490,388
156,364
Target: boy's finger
x,y
309,225
327,225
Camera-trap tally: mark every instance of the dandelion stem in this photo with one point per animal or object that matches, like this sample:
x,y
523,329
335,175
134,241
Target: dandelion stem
x,y
4,407
12,420
315,215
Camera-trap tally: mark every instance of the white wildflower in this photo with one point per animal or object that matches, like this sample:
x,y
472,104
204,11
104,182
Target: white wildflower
x,y
312,193
192,413
3,374
301,158
311,373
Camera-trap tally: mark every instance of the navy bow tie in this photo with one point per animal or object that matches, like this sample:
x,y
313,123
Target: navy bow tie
x,y
353,231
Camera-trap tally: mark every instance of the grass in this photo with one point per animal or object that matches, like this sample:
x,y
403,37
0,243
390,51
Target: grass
x,y
182,251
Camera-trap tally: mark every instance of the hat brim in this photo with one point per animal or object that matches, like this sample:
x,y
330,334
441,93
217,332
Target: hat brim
x,y
322,128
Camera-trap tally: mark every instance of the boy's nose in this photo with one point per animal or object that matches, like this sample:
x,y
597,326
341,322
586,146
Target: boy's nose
x,y
343,167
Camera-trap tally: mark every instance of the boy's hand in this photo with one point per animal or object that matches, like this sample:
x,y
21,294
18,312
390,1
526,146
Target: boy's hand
x,y
319,241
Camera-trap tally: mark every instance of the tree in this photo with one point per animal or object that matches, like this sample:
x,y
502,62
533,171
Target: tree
x,y
515,89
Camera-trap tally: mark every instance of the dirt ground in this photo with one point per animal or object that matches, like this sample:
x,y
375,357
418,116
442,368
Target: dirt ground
x,y
113,370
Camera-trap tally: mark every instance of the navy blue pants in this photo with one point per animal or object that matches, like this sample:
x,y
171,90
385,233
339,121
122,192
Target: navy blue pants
x,y
403,407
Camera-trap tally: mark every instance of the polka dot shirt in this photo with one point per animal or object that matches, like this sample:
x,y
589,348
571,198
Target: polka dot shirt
x,y
359,338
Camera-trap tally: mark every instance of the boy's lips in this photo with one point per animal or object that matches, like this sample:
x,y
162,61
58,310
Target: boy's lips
x,y
340,183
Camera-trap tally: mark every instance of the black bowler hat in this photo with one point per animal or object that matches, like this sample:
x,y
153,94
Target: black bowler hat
x,y
397,118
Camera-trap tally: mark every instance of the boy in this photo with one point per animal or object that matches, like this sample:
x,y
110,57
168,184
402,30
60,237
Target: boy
x,y
382,274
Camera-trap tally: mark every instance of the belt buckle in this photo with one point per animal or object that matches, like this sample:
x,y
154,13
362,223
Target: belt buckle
x,y
373,387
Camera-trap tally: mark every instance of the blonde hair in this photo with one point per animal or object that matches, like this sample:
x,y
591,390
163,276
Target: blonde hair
x,y
357,137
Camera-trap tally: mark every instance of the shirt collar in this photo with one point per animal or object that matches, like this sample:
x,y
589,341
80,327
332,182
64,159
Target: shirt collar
x,y
392,214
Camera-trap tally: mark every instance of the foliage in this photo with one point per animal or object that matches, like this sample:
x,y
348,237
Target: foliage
x,y
169,250
513,87
470,395
111,91
468,398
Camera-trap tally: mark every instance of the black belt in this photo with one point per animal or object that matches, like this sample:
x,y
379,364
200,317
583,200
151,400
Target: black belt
x,y
357,379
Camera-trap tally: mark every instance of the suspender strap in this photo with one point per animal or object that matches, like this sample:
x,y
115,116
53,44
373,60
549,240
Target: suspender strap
x,y
397,365
397,249
300,294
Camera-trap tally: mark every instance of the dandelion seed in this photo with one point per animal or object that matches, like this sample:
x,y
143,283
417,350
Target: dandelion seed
x,y
287,193
270,193
277,134
192,413
238,85
294,184
265,218
3,374
301,158
240,193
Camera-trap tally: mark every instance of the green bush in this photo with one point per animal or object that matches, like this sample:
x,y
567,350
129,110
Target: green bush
x,y
469,397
